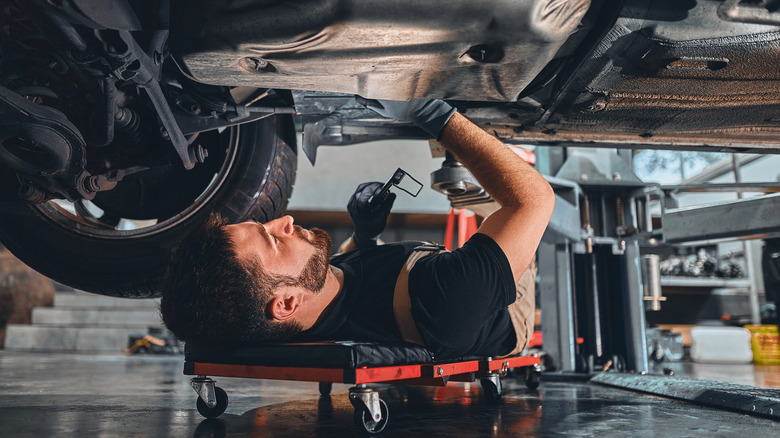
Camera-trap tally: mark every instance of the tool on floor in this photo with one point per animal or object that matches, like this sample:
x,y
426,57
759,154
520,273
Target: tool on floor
x,y
146,342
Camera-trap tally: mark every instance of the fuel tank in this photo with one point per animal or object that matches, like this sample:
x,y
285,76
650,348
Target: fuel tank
x,y
389,49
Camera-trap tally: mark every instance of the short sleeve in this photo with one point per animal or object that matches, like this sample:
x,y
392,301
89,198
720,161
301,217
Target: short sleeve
x,y
456,295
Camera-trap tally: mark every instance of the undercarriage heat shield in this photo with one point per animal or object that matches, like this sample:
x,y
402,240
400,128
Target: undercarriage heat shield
x,y
389,49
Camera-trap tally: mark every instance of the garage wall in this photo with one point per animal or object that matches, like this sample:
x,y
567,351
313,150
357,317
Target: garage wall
x,y
339,169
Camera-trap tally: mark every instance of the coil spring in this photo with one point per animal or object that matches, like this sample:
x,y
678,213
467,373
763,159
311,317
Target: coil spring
x,y
28,64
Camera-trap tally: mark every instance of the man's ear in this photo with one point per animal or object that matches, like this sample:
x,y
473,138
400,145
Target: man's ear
x,y
284,304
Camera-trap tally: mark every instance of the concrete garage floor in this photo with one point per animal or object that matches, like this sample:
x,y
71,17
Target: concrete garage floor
x,y
62,395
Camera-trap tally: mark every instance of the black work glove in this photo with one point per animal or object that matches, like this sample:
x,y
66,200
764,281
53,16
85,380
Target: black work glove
x,y
368,224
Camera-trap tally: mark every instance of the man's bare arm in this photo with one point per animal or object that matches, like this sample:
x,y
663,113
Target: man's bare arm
x,y
525,197
526,200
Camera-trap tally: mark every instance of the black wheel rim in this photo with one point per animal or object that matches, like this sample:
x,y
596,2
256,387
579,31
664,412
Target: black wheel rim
x,y
72,218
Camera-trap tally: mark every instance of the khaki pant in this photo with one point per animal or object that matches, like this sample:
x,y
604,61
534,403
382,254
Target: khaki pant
x,y
522,310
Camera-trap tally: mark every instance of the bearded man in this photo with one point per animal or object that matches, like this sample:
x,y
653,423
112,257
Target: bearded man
x,y
253,283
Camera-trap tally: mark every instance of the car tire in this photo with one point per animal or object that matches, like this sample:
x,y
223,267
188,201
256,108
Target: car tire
x,y
253,179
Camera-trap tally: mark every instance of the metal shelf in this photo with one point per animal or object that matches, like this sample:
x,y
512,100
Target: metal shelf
x,y
748,218
705,282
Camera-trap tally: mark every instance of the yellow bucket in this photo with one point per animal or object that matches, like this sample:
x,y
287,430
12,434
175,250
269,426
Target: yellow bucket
x,y
765,343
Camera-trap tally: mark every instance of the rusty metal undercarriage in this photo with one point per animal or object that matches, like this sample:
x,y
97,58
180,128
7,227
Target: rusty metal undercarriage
x,y
124,123
634,74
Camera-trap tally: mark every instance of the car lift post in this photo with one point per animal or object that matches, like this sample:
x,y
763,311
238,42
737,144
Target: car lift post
x,y
582,279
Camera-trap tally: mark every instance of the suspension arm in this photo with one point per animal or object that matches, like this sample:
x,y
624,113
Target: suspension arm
x,y
130,63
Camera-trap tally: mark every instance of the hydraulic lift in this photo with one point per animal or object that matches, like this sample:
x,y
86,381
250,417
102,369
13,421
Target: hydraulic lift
x,y
597,286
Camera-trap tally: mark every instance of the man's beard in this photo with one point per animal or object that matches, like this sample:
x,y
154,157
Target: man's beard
x,y
316,270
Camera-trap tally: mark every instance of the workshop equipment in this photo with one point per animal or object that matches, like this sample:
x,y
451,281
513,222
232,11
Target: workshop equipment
x,y
145,343
467,226
765,342
358,363
720,345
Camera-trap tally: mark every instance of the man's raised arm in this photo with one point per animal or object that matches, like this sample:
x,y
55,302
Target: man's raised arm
x,y
525,197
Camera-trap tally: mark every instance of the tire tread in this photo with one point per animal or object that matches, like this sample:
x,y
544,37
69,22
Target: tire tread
x,y
110,267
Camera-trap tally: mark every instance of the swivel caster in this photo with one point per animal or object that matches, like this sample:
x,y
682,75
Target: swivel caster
x,y
364,420
371,413
325,388
218,409
532,375
491,386
212,400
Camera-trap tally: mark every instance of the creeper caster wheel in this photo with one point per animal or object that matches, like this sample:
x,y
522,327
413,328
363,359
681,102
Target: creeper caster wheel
x,y
325,388
532,375
213,412
491,387
371,412
364,420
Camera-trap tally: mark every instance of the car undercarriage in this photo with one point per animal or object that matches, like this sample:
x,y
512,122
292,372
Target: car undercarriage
x,y
124,123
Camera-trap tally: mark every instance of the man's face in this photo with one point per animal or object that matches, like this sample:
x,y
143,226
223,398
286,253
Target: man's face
x,y
284,250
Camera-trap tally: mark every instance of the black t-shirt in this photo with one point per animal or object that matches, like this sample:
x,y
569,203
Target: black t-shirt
x,y
458,298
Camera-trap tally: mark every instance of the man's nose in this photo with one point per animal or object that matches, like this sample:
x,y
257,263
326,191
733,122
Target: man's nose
x,y
283,224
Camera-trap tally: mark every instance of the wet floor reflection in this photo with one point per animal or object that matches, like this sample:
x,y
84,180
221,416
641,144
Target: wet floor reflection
x,y
78,396
450,411
460,410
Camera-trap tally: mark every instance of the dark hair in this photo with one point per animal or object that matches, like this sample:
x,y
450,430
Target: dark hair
x,y
209,298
